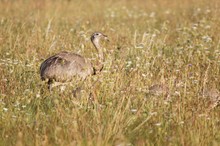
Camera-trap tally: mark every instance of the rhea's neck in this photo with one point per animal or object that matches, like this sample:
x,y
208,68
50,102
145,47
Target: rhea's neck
x,y
100,54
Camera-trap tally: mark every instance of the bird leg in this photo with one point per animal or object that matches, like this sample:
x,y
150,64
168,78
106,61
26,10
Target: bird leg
x,y
52,84
49,83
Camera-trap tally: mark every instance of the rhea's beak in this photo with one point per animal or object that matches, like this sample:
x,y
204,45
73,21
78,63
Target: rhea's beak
x,y
106,38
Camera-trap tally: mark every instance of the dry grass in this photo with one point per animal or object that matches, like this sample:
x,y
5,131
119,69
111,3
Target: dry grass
x,y
174,44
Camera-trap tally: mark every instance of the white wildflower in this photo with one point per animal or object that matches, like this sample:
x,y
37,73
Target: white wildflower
x,y
129,63
208,11
207,38
152,14
158,124
181,122
167,12
153,113
133,110
195,26
71,30
5,109
207,27
38,95
143,75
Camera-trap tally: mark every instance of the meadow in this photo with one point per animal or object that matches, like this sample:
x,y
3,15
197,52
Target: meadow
x,y
159,86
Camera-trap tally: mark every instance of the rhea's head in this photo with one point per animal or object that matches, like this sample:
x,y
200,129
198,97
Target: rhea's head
x,y
98,36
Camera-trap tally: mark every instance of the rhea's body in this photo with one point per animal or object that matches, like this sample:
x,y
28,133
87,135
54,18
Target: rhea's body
x,y
64,66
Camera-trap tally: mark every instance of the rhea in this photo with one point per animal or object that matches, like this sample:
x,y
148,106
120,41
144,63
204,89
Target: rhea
x,y
64,66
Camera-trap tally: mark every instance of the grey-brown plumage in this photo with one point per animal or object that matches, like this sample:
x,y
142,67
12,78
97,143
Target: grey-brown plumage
x,y
64,66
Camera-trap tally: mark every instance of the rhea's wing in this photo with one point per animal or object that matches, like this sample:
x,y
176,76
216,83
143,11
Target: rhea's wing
x,y
54,60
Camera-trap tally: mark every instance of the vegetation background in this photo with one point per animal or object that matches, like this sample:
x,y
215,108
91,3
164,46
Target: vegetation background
x,y
159,86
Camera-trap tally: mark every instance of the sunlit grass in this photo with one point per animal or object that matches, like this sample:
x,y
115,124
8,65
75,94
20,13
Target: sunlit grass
x,y
154,45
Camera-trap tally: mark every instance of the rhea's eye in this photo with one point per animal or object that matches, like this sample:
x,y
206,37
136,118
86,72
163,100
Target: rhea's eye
x,y
96,34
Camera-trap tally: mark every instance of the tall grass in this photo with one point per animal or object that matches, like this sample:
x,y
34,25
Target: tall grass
x,y
168,43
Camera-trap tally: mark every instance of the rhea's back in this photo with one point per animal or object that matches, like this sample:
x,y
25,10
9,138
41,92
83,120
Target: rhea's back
x,y
64,66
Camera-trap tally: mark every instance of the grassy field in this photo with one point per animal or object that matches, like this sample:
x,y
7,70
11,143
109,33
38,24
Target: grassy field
x,y
160,84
